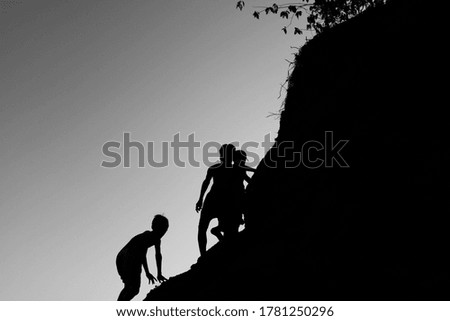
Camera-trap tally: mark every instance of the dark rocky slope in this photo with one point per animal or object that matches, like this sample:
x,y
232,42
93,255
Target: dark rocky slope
x,y
375,230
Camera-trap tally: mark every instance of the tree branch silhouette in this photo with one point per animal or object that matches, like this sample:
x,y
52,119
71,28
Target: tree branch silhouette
x,y
320,14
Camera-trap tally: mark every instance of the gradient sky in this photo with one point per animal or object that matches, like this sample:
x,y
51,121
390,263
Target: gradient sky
x,y
76,74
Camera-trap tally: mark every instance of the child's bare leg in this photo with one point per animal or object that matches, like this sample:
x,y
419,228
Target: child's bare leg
x,y
202,230
130,290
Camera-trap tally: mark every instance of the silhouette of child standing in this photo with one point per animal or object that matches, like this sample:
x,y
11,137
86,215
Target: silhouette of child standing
x,y
219,201
240,175
133,256
229,223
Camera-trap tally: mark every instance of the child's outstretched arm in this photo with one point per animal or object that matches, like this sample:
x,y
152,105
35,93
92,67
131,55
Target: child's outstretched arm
x,y
158,258
151,278
205,185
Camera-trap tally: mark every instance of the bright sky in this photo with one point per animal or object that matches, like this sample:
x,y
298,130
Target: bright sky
x,y
77,74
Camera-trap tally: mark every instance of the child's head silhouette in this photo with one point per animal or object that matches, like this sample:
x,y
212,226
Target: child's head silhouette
x,y
160,224
226,152
239,157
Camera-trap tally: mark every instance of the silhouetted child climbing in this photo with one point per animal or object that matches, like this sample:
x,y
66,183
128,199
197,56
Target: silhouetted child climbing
x,y
219,201
133,256
229,223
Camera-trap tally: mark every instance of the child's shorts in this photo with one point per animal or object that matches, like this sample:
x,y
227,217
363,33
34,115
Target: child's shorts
x,y
129,269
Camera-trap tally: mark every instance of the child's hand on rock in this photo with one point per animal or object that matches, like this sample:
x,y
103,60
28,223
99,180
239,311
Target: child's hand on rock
x,y
151,278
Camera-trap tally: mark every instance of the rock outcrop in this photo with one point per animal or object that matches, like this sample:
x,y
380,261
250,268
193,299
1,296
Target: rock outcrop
x,y
373,230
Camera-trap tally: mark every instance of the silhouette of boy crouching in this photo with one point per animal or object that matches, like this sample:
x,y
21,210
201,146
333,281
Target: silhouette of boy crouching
x,y
133,256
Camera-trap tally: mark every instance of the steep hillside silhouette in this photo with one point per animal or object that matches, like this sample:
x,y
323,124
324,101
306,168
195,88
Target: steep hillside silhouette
x,y
375,230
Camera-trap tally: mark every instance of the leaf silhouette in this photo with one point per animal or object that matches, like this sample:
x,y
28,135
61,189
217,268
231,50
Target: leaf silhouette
x,y
240,5
297,31
274,8
298,14
284,30
256,14
284,14
292,9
